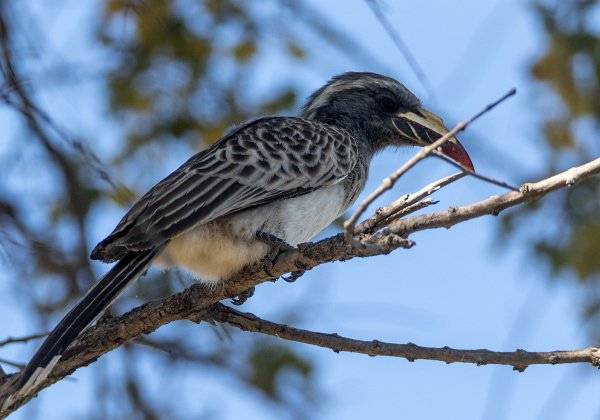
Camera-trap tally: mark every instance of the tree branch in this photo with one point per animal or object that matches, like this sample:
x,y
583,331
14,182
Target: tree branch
x,y
195,302
495,204
383,214
519,359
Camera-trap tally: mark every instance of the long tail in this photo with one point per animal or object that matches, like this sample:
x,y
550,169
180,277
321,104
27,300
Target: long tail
x,y
95,301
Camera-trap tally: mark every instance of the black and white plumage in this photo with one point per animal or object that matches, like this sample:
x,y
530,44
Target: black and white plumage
x,y
231,190
284,176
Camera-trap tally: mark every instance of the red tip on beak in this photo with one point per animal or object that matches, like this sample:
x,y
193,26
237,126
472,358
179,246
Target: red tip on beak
x,y
423,128
454,150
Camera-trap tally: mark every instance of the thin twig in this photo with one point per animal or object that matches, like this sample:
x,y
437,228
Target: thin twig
x,y
19,366
12,340
468,171
384,213
389,182
401,45
519,359
406,211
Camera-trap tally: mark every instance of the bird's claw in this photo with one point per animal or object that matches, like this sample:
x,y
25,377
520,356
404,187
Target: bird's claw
x,y
293,276
268,263
273,241
278,246
243,297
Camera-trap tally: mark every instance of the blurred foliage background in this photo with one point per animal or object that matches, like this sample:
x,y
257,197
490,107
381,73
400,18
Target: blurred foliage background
x,y
569,71
175,75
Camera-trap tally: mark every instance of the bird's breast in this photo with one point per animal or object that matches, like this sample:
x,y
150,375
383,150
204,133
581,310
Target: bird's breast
x,y
300,219
216,250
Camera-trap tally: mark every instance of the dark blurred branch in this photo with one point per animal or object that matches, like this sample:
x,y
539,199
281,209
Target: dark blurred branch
x,y
11,340
16,96
401,45
174,349
13,364
195,303
322,25
519,359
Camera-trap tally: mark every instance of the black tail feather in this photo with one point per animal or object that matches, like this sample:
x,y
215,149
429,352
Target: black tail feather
x,y
95,301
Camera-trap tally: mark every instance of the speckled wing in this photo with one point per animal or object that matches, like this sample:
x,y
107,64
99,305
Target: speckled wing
x,y
265,160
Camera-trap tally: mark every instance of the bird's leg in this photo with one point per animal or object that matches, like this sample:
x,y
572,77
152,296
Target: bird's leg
x,y
278,246
273,241
243,297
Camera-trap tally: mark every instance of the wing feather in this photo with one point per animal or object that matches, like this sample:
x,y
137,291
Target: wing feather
x,y
266,160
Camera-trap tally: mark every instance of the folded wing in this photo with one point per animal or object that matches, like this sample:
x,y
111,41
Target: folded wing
x,y
266,160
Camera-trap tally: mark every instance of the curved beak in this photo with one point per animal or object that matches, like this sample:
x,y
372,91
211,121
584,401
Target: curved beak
x,y
423,128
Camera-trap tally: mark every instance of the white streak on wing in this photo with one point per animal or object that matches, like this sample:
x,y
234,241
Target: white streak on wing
x,y
40,374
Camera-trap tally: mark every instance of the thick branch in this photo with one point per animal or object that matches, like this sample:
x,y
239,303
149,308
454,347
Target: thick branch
x,y
192,303
519,359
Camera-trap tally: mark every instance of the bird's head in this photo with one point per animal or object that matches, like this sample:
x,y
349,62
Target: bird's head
x,y
382,111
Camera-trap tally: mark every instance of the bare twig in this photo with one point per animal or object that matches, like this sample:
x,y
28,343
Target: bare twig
x,y
383,214
474,174
389,182
519,359
406,211
12,340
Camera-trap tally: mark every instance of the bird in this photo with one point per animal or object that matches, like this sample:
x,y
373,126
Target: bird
x,y
270,182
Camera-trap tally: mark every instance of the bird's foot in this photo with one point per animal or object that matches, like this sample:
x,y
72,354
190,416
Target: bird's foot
x,y
273,241
293,276
278,246
243,297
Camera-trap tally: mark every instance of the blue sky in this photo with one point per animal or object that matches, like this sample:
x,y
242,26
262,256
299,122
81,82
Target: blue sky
x,y
457,287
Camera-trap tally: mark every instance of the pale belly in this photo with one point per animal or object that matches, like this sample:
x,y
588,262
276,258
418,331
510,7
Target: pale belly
x,y
216,250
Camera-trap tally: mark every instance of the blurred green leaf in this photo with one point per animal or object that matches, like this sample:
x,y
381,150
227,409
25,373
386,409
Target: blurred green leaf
x,y
244,51
270,362
569,68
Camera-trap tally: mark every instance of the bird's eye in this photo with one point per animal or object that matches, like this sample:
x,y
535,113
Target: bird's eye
x,y
387,104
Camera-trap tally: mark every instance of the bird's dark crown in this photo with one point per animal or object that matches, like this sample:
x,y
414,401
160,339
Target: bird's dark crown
x,y
360,102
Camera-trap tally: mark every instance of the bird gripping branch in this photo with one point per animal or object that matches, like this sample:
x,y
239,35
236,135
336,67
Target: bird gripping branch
x,y
268,185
